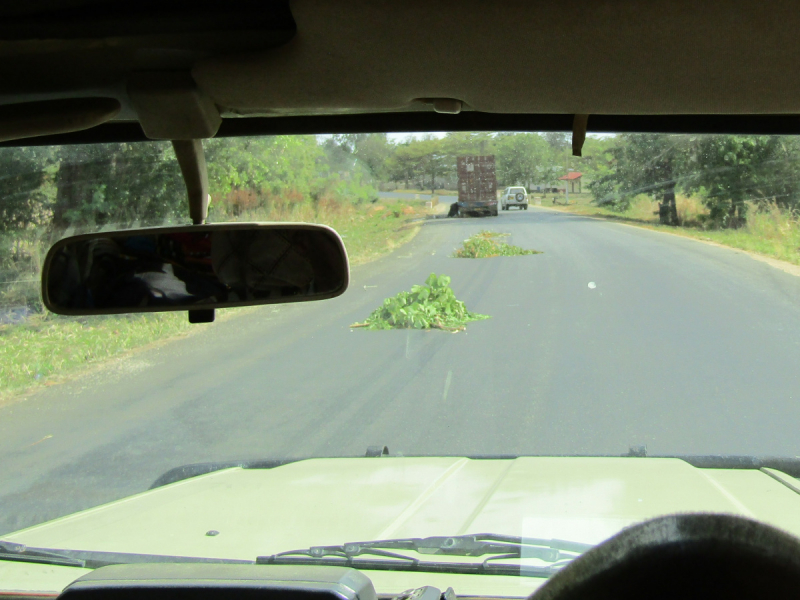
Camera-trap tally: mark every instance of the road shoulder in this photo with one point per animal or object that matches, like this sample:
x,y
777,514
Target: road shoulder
x,y
776,263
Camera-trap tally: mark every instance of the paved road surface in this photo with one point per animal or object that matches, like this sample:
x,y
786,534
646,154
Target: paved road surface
x,y
681,346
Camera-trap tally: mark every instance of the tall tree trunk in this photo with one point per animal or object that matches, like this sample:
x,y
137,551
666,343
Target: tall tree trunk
x,y
735,219
669,200
68,193
667,209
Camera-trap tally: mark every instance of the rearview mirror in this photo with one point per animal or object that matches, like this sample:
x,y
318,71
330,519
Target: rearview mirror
x,y
195,267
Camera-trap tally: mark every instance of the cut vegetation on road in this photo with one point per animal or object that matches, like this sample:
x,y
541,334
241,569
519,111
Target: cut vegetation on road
x,y
430,306
485,244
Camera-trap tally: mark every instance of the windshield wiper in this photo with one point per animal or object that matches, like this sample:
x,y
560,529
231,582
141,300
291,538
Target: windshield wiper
x,y
94,559
382,555
21,553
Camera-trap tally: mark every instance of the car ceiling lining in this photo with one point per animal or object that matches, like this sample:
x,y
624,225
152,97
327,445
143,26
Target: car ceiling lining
x,y
516,56
313,57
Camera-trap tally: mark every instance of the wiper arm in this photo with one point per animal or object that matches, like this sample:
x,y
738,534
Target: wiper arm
x,y
94,559
556,552
21,553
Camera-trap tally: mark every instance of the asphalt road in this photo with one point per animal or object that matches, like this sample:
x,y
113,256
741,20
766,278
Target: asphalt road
x,y
681,346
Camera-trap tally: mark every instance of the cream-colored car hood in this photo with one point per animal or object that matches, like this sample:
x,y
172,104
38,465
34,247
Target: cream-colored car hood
x,y
332,501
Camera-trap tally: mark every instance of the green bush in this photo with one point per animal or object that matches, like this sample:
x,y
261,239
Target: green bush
x,y
484,245
430,306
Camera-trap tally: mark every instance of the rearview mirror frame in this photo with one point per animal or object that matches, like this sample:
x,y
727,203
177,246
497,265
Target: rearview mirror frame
x,y
333,236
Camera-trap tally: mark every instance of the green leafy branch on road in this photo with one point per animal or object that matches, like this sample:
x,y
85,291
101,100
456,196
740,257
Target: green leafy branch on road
x,y
430,306
485,245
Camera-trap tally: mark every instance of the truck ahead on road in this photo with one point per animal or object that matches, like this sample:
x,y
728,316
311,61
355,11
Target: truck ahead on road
x,y
477,185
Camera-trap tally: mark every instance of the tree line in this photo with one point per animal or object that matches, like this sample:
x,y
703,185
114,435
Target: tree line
x,y
429,162
727,172
90,186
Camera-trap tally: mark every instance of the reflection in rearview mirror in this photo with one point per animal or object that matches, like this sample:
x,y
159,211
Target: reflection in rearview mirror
x,y
194,267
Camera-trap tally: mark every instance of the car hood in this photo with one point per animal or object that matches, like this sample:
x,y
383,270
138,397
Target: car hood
x,y
332,501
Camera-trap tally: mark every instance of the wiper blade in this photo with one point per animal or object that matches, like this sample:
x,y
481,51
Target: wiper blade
x,y
21,553
479,544
94,559
497,547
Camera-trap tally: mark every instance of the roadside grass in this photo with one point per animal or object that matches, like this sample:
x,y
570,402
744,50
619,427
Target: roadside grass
x,y
381,229
46,348
484,244
369,230
770,230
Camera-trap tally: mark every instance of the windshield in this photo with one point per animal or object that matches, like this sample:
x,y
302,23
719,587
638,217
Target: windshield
x,y
642,301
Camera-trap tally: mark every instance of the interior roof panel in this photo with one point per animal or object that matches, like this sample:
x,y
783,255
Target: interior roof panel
x,y
342,65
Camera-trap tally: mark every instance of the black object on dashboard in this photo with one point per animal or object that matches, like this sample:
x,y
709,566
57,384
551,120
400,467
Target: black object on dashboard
x,y
377,451
426,593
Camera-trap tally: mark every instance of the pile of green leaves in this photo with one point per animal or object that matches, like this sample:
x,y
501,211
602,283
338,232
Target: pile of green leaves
x,y
429,306
485,245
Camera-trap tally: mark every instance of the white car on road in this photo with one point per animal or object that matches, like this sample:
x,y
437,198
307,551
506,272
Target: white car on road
x,y
514,196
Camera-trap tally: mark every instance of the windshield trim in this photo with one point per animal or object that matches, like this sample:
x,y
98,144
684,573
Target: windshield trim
x,y
789,466
429,121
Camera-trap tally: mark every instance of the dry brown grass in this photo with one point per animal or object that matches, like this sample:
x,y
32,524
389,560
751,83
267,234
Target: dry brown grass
x,y
691,210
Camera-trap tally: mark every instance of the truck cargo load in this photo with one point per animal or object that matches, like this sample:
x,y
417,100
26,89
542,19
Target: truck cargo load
x,y
477,185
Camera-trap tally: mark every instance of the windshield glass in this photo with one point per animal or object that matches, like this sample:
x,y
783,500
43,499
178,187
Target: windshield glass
x,y
643,301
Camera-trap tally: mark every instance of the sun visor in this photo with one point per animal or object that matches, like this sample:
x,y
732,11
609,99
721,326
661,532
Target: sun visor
x,y
34,119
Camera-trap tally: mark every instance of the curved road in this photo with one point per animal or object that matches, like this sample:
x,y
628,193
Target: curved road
x,y
681,346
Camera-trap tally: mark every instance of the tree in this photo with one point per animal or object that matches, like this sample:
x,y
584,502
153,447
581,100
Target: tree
x,y
730,170
460,143
264,165
402,164
117,183
522,158
597,156
24,197
559,141
726,171
649,164
372,150
433,159
420,159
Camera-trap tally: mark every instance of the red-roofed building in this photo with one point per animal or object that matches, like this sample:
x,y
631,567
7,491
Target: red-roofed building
x,y
571,179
